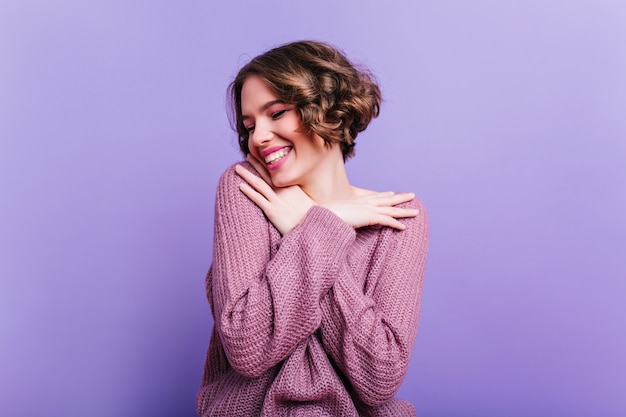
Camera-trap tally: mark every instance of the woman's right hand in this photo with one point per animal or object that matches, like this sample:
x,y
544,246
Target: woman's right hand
x,y
285,207
373,208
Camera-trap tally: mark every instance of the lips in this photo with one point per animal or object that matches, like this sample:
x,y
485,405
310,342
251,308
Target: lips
x,y
275,156
273,149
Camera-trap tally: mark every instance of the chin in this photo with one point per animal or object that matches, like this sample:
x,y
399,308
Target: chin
x,y
281,182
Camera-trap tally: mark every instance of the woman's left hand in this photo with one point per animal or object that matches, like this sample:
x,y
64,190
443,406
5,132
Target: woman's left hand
x,y
373,208
285,207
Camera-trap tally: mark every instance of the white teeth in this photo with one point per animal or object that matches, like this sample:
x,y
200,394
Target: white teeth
x,y
275,156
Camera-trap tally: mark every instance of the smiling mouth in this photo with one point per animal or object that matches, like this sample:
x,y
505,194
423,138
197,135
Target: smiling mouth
x,y
274,157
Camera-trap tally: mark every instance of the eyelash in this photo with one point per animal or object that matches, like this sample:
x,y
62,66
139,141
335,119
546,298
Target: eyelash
x,y
274,116
278,114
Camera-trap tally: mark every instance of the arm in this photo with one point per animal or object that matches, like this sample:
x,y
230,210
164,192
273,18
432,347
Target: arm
x,y
369,330
264,306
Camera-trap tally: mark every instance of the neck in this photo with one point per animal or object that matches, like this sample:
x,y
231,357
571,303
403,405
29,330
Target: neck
x,y
329,181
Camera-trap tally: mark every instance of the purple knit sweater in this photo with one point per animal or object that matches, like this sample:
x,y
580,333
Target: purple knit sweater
x,y
319,322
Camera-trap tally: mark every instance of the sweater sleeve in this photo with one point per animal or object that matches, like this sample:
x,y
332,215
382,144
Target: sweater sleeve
x,y
369,330
266,300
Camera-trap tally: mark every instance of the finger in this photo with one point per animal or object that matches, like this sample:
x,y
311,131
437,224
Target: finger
x,y
256,197
380,194
255,182
260,168
396,199
368,195
377,197
390,222
398,212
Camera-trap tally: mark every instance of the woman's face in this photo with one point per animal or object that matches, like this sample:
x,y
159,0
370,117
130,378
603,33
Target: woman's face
x,y
290,154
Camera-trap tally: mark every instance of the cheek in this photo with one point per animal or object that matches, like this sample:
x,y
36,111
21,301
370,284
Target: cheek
x,y
254,152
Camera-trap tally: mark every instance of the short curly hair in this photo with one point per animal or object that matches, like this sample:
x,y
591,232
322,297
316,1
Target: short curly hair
x,y
335,99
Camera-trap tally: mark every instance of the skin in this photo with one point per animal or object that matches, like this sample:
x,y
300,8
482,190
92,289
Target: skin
x,y
311,174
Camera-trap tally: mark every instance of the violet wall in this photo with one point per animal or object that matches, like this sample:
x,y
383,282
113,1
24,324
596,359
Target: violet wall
x,y
508,118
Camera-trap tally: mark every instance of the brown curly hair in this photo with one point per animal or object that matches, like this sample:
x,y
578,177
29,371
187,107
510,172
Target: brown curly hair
x,y
335,100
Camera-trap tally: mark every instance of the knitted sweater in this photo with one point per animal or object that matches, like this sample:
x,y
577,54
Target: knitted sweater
x,y
319,322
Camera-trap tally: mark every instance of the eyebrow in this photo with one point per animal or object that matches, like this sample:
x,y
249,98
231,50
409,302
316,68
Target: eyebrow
x,y
265,107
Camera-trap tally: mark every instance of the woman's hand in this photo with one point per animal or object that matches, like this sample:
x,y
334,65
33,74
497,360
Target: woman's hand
x,y
285,207
373,208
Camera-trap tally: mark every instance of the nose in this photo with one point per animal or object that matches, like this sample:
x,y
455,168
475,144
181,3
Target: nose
x,y
261,134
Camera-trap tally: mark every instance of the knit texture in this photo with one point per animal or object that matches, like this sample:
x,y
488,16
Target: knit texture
x,y
319,322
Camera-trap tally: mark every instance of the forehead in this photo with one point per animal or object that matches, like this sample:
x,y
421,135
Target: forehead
x,y
254,94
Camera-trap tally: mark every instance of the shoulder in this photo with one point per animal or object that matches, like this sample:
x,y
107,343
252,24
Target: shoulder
x,y
416,231
416,203
230,177
229,182
229,198
239,224
419,222
410,246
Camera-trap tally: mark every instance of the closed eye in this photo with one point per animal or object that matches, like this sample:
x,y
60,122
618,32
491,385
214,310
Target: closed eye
x,y
278,114
249,129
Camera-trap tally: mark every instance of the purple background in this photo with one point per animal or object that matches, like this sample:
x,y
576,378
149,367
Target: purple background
x,y
508,118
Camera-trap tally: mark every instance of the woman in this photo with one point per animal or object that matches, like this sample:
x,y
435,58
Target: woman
x,y
315,284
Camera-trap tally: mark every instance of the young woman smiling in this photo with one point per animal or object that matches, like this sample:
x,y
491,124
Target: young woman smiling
x,y
315,284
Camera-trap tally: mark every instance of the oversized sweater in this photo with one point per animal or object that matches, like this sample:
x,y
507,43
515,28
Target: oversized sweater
x,y
319,322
